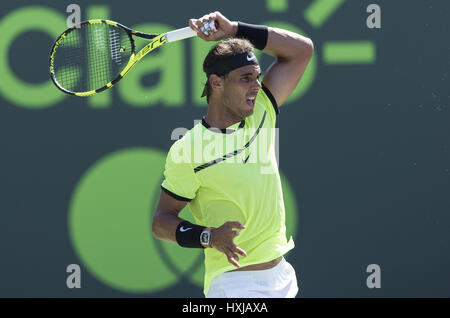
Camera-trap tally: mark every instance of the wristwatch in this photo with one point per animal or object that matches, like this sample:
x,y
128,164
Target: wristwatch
x,y
206,237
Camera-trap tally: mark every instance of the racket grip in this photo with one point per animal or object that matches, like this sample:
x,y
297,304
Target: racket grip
x,y
181,34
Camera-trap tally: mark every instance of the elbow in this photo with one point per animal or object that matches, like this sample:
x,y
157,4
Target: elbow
x,y
307,47
310,46
303,47
155,227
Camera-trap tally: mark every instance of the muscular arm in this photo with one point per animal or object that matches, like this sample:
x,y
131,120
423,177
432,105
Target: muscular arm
x,y
166,220
293,52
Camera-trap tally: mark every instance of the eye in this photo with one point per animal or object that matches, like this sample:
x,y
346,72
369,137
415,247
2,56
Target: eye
x,y
245,79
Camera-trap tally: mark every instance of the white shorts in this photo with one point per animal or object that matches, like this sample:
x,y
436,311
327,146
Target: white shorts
x,y
276,282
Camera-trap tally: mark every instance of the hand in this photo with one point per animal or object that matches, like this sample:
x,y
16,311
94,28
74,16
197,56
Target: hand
x,y
222,240
224,27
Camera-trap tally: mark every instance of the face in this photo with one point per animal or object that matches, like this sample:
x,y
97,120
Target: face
x,y
240,88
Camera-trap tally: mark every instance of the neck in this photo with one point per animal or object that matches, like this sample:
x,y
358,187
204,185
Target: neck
x,y
219,116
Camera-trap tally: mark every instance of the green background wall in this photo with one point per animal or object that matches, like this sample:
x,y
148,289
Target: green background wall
x,y
364,151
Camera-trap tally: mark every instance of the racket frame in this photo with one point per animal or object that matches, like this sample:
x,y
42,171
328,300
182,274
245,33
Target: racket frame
x,y
156,41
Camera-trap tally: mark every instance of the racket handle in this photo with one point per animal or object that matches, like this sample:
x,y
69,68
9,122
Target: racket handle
x,y
181,34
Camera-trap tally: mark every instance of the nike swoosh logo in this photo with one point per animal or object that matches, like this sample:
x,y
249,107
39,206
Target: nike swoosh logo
x,y
234,153
249,58
182,229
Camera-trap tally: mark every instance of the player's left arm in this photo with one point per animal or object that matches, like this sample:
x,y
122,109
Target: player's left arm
x,y
293,53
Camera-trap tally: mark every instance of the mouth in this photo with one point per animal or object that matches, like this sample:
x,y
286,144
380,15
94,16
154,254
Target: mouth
x,y
251,101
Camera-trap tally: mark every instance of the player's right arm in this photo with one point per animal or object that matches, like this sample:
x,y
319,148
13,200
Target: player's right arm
x,y
165,224
166,220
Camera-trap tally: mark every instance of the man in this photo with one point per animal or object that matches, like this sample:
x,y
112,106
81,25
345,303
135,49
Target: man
x,y
235,188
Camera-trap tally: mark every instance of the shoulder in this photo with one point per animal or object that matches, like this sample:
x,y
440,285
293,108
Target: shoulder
x,y
266,103
184,145
269,98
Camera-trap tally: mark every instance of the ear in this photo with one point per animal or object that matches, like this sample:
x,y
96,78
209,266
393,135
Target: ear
x,y
216,82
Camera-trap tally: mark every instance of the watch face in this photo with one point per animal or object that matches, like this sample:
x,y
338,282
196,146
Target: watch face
x,y
205,238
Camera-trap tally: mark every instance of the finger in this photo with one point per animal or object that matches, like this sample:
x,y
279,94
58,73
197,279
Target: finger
x,y
203,20
240,251
205,17
218,18
193,25
196,25
236,225
209,17
235,233
212,21
233,258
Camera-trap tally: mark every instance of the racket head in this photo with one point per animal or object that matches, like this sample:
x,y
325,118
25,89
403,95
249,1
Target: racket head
x,y
90,56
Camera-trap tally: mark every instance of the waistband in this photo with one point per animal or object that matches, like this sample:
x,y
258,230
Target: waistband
x,y
263,274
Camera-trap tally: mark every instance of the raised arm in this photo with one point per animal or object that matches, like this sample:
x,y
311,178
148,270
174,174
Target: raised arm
x,y
291,50
293,53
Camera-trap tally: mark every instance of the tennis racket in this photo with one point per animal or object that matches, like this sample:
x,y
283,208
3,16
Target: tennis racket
x,y
94,55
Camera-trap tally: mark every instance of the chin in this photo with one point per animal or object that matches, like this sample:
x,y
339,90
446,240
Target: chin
x,y
248,112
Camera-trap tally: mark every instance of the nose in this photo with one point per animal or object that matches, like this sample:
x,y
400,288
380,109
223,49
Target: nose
x,y
257,84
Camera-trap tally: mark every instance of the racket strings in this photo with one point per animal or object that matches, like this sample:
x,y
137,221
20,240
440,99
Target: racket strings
x,y
116,47
90,57
99,65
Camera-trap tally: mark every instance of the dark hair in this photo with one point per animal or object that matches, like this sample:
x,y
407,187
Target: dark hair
x,y
221,50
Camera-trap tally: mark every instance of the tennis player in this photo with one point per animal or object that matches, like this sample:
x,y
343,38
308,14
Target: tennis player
x,y
235,193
